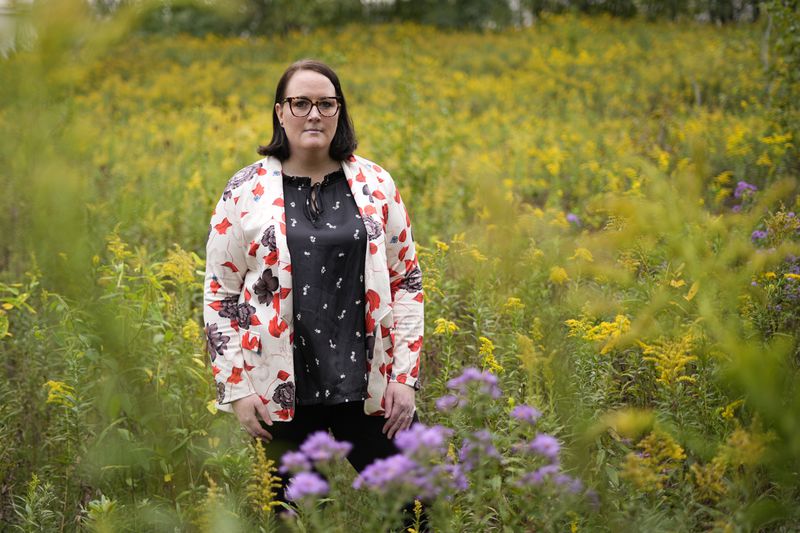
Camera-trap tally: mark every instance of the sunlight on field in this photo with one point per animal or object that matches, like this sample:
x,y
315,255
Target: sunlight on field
x,y
605,214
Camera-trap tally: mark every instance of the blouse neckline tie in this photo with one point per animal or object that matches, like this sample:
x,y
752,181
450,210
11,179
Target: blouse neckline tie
x,y
314,208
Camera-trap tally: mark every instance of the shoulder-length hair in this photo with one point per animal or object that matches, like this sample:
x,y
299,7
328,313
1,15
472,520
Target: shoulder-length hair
x,y
344,141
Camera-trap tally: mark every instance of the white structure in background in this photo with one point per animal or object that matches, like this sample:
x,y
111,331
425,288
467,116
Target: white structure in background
x,y
10,30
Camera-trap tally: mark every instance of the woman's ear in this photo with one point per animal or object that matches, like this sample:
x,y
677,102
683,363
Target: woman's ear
x,y
279,112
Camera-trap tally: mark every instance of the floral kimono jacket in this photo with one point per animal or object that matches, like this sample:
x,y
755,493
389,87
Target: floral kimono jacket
x,y
250,343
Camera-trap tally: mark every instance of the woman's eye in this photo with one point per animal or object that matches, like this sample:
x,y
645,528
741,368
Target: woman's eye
x,y
301,104
327,105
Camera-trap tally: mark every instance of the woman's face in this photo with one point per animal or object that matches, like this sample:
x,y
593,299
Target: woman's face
x,y
314,132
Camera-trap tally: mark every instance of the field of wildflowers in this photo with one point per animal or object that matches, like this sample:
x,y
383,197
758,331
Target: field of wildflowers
x,y
606,214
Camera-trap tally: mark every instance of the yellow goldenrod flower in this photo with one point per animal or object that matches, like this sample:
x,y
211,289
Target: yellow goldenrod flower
x,y
59,393
744,448
442,246
608,332
692,291
444,327
264,481
648,470
778,138
728,412
764,160
191,331
708,480
489,361
583,254
670,359
513,304
180,267
558,275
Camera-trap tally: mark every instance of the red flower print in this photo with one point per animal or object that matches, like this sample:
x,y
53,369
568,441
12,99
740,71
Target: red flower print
x,y
215,285
251,342
415,370
236,375
223,226
276,329
415,345
373,299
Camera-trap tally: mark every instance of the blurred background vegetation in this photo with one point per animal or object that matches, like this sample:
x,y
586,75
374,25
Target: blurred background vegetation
x,y
604,191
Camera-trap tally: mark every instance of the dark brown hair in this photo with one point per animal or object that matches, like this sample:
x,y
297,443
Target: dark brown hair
x,y
344,141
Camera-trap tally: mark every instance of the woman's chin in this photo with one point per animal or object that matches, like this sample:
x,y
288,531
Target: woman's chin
x,y
312,146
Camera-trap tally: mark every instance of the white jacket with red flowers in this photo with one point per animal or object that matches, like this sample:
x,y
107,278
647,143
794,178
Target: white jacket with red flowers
x,y
250,343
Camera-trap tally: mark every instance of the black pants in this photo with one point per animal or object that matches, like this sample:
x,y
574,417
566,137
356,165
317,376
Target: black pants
x,y
347,422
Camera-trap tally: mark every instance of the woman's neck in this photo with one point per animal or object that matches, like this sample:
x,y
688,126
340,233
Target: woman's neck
x,y
314,168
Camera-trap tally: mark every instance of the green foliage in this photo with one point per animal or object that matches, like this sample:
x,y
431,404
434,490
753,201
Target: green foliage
x,y
784,67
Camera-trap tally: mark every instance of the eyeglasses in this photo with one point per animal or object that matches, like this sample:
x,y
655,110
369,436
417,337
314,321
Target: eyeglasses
x,y
301,106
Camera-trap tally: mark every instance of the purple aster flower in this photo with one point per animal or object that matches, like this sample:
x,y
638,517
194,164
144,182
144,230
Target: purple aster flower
x,y
572,484
422,440
447,403
542,444
758,236
321,447
526,413
487,380
439,480
539,475
384,475
743,189
294,462
451,477
573,218
306,485
476,448
736,208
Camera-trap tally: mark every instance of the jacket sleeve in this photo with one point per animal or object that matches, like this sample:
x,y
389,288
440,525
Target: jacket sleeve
x,y
226,266
405,278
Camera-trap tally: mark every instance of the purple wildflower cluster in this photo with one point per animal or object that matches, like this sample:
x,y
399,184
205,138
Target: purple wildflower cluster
x,y
486,382
759,236
294,462
477,447
547,447
319,448
423,441
306,485
526,413
422,468
744,192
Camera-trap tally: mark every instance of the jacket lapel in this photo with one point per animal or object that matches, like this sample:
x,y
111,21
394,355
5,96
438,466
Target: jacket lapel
x,y
376,271
277,213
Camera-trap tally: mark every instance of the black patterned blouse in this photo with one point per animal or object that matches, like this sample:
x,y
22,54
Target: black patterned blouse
x,y
327,241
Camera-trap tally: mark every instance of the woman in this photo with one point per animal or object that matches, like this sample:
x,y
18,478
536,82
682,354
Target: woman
x,y
313,292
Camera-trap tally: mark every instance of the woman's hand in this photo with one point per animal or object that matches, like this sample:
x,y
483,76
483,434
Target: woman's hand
x,y
247,410
399,408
